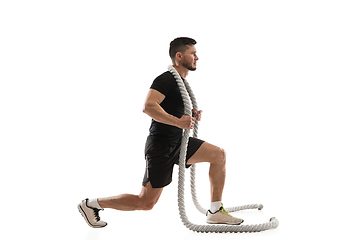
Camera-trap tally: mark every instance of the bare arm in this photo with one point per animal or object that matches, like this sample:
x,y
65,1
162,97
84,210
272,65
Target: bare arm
x,y
155,111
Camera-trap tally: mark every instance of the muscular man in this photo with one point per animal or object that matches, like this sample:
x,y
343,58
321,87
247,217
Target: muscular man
x,y
165,106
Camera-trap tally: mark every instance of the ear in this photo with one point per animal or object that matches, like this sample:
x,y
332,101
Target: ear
x,y
178,56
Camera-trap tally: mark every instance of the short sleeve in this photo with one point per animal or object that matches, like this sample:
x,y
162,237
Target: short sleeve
x,y
163,84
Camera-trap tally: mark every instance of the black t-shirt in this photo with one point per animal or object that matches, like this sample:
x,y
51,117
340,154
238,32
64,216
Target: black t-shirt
x,y
172,104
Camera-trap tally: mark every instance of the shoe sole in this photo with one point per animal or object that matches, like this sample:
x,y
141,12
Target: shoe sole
x,y
82,212
215,222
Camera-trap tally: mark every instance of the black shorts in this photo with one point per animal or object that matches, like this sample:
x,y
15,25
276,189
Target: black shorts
x,y
161,157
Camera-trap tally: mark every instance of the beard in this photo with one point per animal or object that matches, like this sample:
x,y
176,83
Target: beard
x,y
189,66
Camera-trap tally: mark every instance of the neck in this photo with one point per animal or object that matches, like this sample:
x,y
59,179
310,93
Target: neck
x,y
182,71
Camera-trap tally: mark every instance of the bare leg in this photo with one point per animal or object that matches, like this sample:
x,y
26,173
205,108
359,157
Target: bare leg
x,y
128,202
217,172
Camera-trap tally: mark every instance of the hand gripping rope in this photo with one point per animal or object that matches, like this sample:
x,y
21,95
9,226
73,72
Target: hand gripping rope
x,y
186,91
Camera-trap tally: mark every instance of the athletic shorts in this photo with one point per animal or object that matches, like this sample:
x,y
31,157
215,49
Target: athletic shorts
x,y
161,156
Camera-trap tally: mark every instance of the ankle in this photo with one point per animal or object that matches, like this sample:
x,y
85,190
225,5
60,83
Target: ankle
x,y
214,206
94,203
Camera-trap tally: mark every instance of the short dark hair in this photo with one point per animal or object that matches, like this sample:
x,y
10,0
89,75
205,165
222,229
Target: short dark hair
x,y
180,45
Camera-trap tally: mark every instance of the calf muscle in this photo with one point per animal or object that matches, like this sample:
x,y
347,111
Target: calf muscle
x,y
146,200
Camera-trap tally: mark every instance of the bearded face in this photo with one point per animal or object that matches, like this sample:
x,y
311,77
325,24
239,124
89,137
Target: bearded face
x,y
189,58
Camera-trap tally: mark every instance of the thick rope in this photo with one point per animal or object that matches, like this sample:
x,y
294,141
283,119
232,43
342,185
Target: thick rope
x,y
186,91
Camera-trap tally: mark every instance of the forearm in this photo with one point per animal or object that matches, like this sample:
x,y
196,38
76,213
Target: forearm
x,y
156,112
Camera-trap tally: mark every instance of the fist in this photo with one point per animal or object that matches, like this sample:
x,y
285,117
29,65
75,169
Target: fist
x,y
186,122
197,114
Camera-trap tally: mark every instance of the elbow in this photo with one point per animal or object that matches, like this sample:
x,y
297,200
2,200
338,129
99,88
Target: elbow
x,y
146,108
150,108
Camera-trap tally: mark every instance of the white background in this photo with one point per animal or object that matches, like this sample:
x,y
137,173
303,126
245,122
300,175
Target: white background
x,y
278,82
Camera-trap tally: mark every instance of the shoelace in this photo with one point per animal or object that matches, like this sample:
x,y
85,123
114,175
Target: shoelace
x,y
96,214
222,210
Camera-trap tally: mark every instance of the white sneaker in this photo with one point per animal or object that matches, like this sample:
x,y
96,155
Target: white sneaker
x,y
91,215
221,216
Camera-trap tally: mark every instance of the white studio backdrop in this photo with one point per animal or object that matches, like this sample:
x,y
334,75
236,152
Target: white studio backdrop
x,y
278,82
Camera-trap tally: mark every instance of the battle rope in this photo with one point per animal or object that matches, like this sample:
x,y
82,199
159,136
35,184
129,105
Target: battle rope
x,y
186,91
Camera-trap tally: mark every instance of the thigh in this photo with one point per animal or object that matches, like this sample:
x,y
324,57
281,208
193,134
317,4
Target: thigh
x,y
206,153
160,159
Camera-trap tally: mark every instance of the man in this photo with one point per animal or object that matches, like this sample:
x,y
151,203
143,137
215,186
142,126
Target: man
x,y
165,106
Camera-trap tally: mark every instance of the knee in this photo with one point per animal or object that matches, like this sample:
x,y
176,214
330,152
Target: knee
x,y
147,205
223,156
220,156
